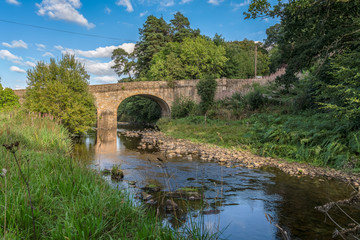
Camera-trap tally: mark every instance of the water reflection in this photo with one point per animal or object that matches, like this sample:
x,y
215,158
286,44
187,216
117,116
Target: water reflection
x,y
236,198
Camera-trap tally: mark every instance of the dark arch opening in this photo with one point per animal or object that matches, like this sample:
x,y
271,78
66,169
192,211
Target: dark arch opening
x,y
142,109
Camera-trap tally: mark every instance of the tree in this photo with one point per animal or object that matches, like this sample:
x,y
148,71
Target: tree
x,y
341,92
139,109
124,64
8,99
311,31
60,88
240,62
153,36
194,58
206,88
180,28
218,40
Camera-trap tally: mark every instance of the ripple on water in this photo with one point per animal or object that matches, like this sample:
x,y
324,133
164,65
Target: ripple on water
x,y
236,198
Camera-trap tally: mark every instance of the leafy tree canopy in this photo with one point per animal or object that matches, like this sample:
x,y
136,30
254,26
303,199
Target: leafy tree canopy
x,y
8,99
194,58
124,64
311,31
139,109
60,88
241,57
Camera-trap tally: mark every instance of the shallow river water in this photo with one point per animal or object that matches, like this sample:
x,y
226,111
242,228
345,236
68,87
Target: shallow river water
x,y
237,199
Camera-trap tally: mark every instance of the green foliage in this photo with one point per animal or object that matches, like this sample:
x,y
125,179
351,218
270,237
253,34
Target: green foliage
x,y
206,89
180,28
124,63
240,105
255,99
174,51
8,99
139,110
241,57
309,137
311,31
153,36
70,200
193,58
60,88
342,91
183,107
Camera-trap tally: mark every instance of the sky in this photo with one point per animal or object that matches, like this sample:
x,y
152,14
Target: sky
x,y
37,30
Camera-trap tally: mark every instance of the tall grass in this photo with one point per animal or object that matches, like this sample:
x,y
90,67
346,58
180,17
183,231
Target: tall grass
x,y
315,138
70,201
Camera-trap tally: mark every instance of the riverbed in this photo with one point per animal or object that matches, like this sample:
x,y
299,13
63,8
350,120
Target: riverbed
x,y
243,203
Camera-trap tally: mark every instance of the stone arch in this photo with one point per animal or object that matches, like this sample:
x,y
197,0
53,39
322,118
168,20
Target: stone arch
x,y
165,108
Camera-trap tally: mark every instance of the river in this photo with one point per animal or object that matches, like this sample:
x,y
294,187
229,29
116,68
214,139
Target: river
x,y
237,200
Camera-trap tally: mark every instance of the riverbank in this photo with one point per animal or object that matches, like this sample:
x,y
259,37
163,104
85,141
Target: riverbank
x,y
230,156
45,194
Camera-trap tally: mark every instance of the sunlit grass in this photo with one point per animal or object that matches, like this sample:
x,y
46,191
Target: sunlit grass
x,y
314,138
70,201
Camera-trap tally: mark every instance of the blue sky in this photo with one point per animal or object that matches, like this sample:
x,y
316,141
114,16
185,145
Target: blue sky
x,y
21,46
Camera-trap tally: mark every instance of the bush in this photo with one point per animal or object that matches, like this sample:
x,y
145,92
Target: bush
x,y
139,110
183,107
206,88
8,99
60,88
255,100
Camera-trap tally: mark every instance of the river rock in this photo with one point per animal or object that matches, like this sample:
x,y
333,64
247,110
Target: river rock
x,y
207,152
151,188
170,205
117,174
106,172
146,196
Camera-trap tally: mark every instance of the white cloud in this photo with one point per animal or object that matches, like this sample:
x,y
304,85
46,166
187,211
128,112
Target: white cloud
x,y
30,64
167,3
63,10
58,47
185,1
17,69
215,2
40,47
15,44
98,68
48,54
14,2
5,54
101,52
107,10
143,13
19,87
106,79
239,5
125,3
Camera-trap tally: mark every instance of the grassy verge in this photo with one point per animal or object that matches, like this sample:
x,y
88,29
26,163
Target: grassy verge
x,y
313,138
69,200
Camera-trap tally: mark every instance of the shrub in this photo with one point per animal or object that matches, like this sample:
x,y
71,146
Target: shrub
x,y
183,107
206,88
60,88
255,100
8,99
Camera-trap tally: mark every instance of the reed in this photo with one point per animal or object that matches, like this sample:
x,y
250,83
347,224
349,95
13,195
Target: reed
x,y
68,200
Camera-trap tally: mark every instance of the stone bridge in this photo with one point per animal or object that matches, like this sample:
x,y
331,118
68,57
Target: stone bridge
x,y
109,96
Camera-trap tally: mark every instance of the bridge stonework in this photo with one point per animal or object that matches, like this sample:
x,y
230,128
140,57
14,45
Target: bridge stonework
x,y
109,96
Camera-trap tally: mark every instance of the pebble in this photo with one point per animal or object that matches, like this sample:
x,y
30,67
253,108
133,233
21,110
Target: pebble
x,y
207,152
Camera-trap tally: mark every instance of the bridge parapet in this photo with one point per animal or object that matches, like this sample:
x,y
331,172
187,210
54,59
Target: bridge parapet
x,y
109,96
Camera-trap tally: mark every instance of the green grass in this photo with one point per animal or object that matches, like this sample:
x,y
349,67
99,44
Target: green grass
x,y
70,201
307,137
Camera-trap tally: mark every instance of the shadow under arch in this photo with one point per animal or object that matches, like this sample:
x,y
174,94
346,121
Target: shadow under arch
x,y
165,108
